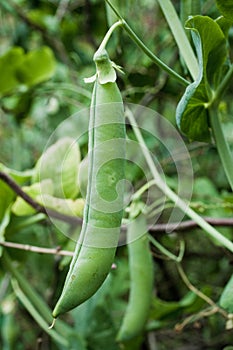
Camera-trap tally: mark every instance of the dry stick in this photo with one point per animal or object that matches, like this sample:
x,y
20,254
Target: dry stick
x,y
73,220
35,249
35,205
190,224
195,317
214,308
191,287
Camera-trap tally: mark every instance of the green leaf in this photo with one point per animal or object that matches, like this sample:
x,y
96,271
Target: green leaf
x,y
21,208
65,206
38,65
8,64
226,8
163,309
60,163
226,299
211,47
45,20
6,197
19,176
18,68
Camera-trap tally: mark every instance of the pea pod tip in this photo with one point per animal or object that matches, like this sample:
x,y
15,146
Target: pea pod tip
x,y
53,323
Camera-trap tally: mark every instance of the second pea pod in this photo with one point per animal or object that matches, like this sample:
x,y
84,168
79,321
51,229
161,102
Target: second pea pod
x,y
141,272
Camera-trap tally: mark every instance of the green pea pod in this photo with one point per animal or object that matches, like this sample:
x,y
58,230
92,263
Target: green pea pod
x,y
103,210
141,281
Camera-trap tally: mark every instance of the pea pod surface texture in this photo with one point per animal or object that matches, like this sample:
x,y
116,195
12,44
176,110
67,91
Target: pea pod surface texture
x,y
95,250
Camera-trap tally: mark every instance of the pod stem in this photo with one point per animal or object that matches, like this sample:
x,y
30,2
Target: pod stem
x,y
146,50
108,35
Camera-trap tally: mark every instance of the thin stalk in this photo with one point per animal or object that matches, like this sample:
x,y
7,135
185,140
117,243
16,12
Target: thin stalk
x,y
166,252
33,296
159,204
108,35
180,37
196,291
37,317
180,203
151,213
222,86
143,189
147,51
223,148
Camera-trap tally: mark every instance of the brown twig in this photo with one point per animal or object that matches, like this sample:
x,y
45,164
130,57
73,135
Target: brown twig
x,y
35,249
196,291
73,220
214,308
190,224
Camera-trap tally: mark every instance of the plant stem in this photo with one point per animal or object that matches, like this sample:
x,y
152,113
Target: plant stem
x,y
108,35
147,51
222,86
36,315
180,203
223,148
143,189
166,252
35,299
180,37
196,291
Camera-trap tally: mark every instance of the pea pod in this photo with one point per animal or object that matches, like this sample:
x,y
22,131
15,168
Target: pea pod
x,y
141,281
103,211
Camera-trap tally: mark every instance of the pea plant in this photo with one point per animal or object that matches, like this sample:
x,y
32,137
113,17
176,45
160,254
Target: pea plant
x,y
118,234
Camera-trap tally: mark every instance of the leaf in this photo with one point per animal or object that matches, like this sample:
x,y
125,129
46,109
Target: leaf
x,y
65,206
60,163
211,47
21,208
226,299
37,66
226,8
6,197
8,64
17,68
19,176
163,309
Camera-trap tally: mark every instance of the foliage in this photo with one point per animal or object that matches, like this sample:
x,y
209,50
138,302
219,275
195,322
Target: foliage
x,y
45,53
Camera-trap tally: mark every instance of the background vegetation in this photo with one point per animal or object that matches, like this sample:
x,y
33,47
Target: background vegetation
x,y
50,44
